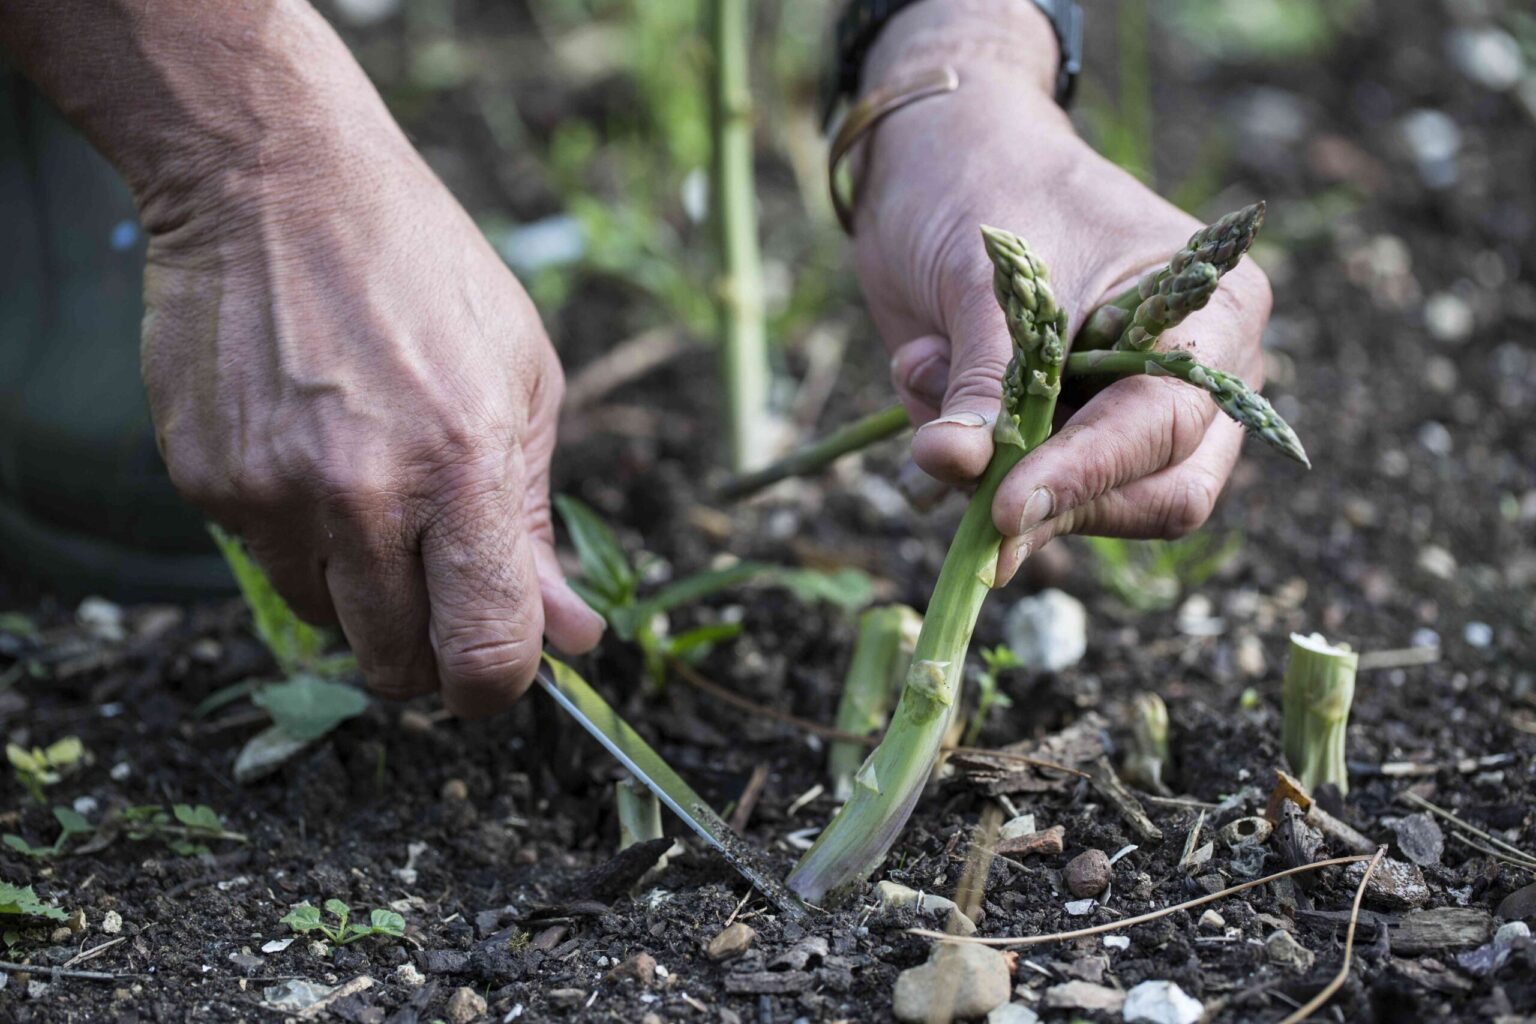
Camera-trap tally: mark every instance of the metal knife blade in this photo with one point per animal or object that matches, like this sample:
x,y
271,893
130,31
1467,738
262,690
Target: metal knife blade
x,y
585,705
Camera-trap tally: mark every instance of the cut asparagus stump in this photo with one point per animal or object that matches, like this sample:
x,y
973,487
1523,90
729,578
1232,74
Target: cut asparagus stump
x,y
887,786
1319,688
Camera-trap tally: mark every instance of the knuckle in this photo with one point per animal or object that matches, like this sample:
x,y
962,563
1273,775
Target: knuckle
x,y
485,658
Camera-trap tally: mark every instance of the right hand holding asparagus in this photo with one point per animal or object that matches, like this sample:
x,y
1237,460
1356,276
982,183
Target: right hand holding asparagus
x,y
1145,457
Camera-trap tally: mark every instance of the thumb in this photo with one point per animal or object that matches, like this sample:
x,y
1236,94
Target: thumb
x,y
957,445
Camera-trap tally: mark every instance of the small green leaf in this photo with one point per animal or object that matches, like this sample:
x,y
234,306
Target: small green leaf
x,y
23,902
199,817
307,707
25,848
847,588
302,918
387,922
66,753
222,696
22,760
607,569
293,643
337,908
72,822
698,641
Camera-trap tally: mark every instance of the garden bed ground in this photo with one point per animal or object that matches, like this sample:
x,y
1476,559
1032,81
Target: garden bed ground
x,y
1401,356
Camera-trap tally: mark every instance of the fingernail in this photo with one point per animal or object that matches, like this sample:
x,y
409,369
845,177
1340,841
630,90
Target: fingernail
x,y
1014,551
959,419
1037,509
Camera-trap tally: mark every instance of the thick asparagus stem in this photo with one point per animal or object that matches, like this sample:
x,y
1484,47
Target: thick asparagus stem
x,y
1319,687
881,656
888,785
820,453
744,334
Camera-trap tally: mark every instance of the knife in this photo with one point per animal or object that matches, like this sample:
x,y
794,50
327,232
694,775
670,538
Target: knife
x,y
585,705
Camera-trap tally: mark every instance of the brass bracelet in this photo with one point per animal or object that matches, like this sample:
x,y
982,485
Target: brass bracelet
x,y
870,111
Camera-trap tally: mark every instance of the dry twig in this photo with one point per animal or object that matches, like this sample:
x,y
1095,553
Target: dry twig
x,y
1114,926
1312,1005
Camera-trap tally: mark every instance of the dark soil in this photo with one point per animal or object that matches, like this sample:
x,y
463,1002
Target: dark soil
x,y
1420,441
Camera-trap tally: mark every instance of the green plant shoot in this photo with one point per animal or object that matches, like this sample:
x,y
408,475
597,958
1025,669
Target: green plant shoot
x,y
44,766
1318,690
989,695
305,918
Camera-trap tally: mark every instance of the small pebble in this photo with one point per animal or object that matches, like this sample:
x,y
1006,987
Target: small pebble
x,y
1210,921
111,922
640,968
731,941
464,1006
1478,634
455,790
1088,873
1448,317
1283,950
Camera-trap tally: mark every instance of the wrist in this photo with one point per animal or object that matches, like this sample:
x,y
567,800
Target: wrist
x,y
1010,38
207,107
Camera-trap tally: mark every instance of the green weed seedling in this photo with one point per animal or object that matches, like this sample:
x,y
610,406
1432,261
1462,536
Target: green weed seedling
x,y
308,702
43,766
610,584
20,906
71,824
305,918
186,829
994,662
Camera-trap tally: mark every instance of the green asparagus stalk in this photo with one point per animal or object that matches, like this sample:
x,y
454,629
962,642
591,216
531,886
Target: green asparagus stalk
x,y
881,654
888,785
821,453
744,332
1319,687
1232,396
1221,244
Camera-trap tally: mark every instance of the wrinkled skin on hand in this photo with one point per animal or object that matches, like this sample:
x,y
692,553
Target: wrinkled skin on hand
x,y
1144,457
350,378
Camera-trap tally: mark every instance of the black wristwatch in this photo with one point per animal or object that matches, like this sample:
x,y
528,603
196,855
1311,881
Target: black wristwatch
x,y
861,22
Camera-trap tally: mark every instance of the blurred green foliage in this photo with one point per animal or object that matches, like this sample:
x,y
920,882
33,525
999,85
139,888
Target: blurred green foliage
x,y
1151,575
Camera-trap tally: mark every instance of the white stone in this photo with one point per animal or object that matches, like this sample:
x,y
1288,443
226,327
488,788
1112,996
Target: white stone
x,y
1478,634
1023,825
958,981
1048,631
1487,55
407,974
1210,921
1013,1013
111,922
1161,1002
1448,318
1117,942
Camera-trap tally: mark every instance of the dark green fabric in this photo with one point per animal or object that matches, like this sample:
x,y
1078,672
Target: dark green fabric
x,y
85,502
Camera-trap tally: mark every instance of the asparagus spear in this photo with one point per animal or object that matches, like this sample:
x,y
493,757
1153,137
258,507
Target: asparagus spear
x,y
1167,303
888,785
1221,244
1232,396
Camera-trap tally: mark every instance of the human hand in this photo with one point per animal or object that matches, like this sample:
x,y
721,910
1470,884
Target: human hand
x,y
1144,457
343,371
